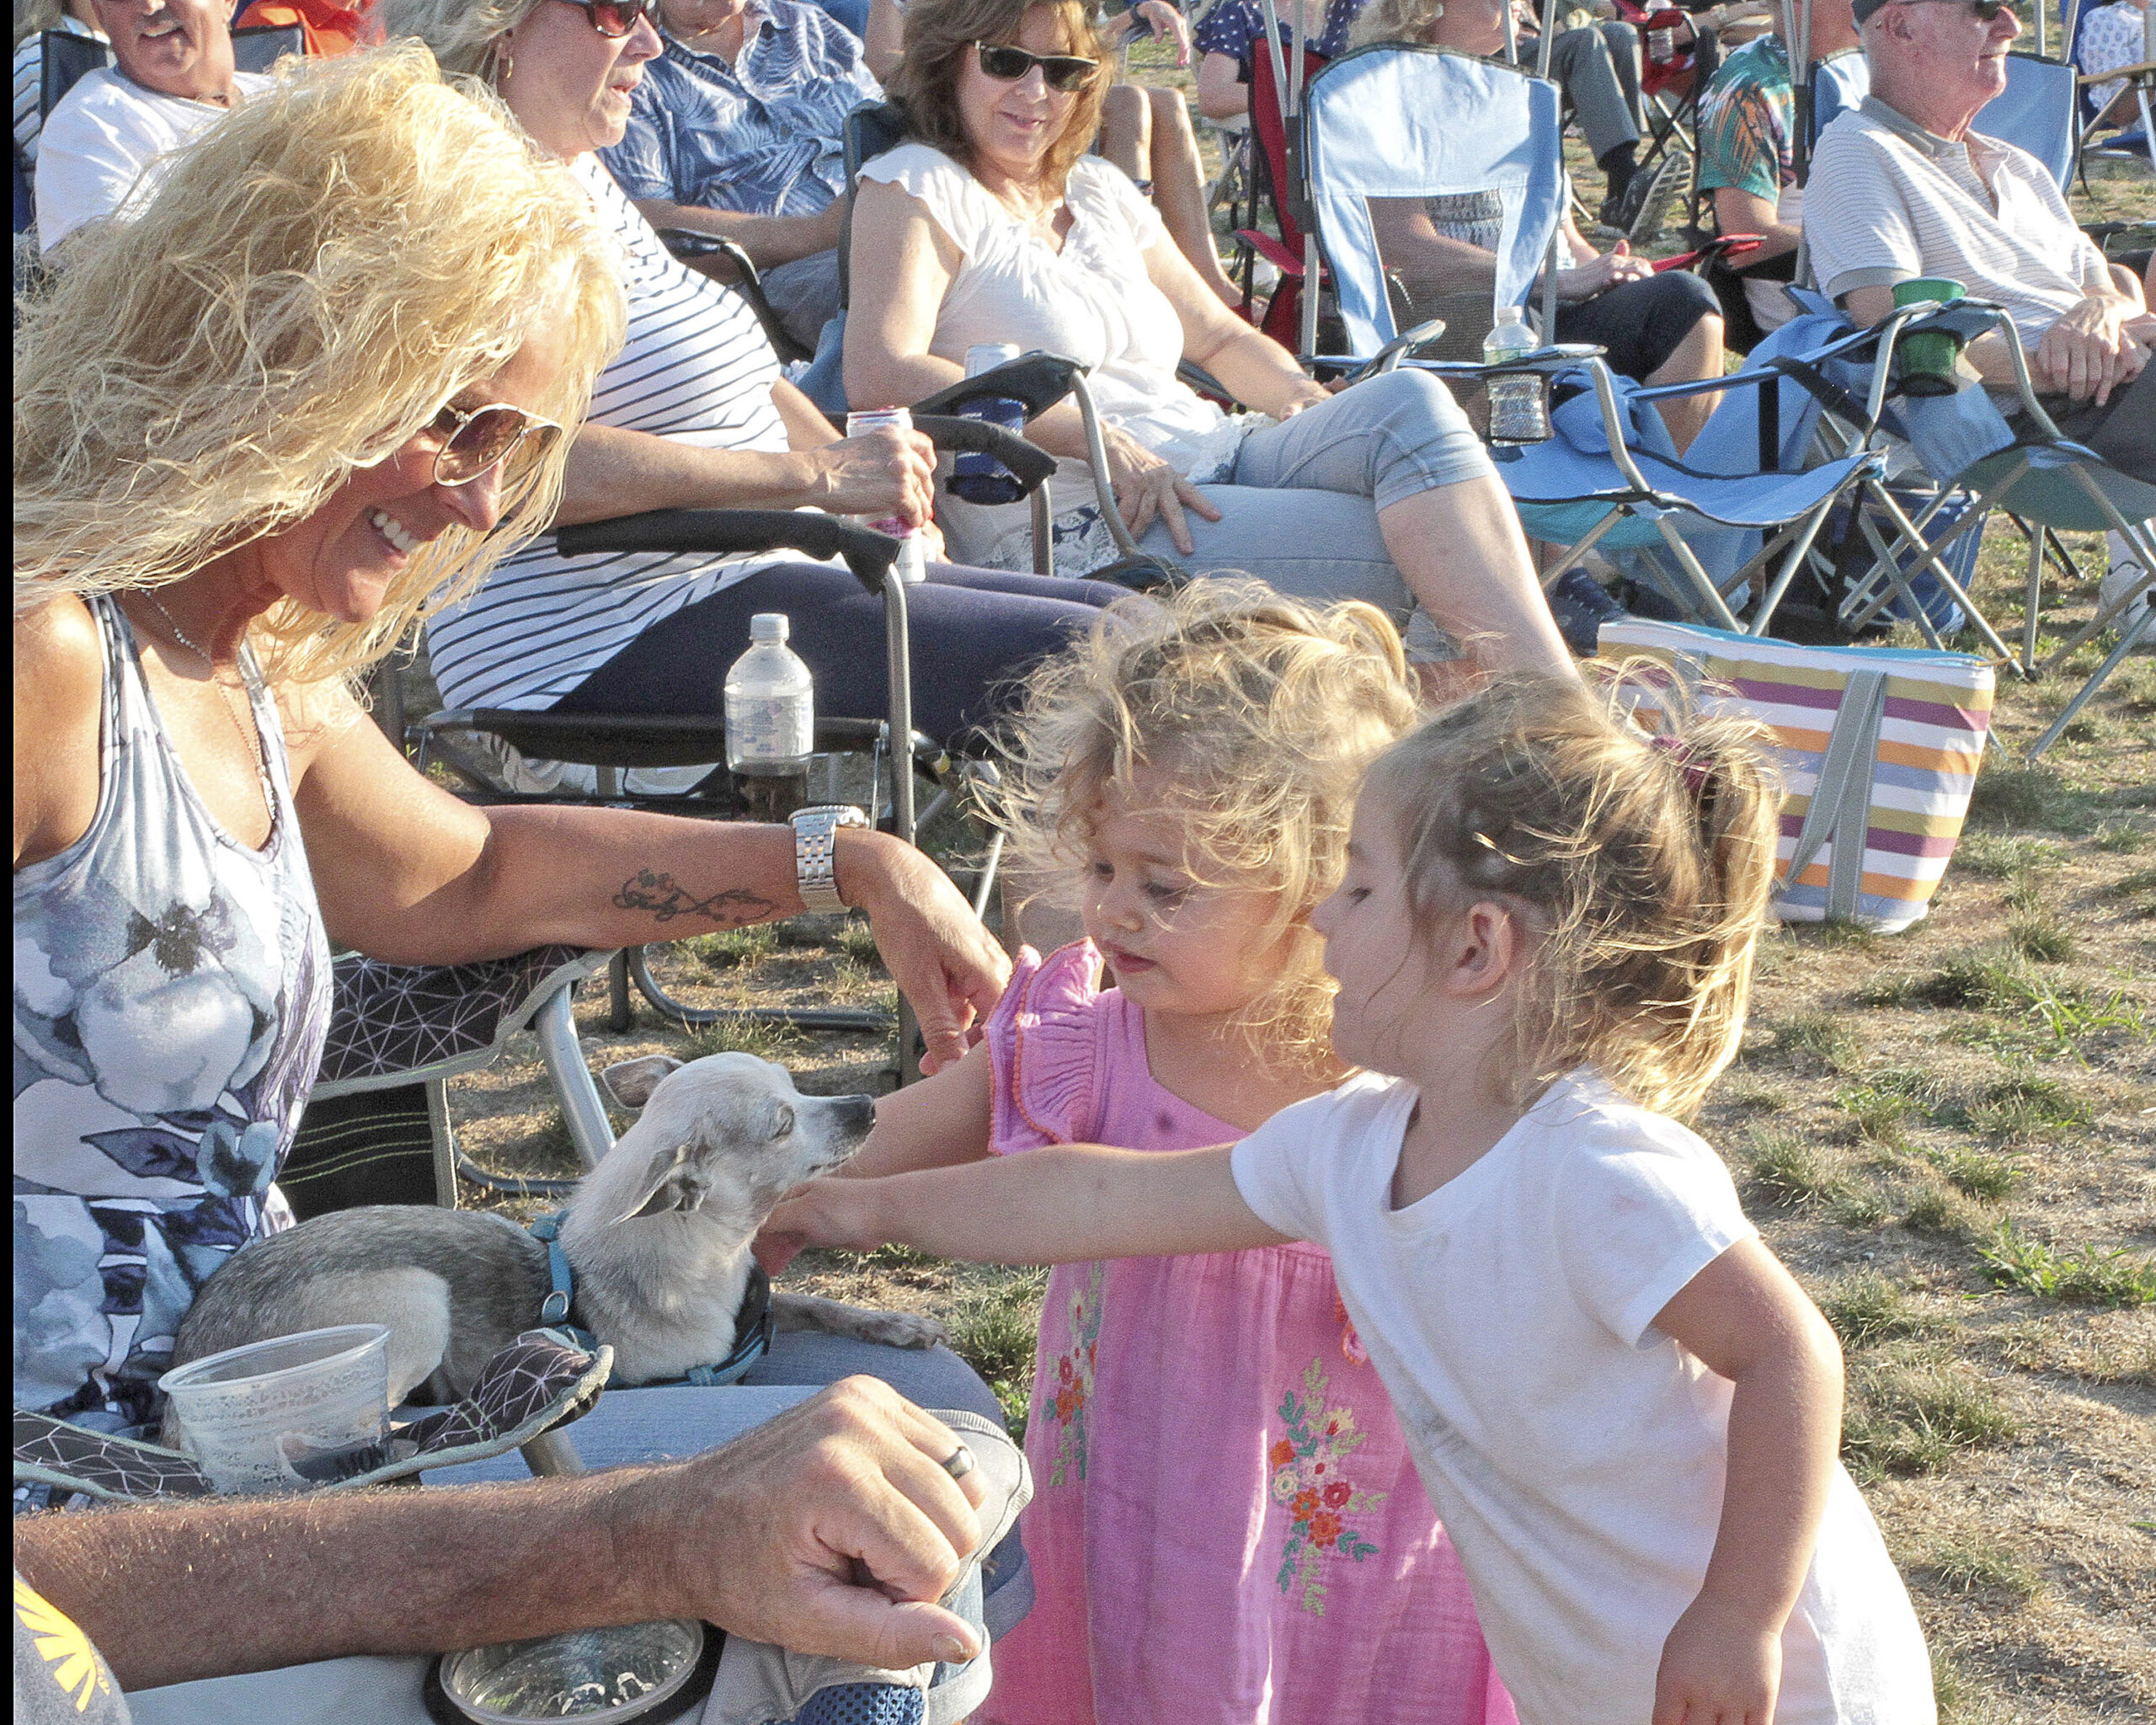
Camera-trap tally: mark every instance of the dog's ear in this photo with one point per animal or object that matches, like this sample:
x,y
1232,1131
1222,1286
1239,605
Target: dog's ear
x,y
656,1190
631,1082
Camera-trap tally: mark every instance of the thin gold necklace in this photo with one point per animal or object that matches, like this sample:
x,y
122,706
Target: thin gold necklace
x,y
250,736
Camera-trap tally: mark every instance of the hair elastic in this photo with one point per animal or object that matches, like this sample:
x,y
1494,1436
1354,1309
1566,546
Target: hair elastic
x,y
1681,756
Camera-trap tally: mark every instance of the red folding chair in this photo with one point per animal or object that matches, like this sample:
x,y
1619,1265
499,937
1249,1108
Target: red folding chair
x,y
1276,122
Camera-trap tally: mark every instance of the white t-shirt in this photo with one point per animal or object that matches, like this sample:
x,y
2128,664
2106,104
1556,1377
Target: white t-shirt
x,y
1575,1452
1092,300
108,134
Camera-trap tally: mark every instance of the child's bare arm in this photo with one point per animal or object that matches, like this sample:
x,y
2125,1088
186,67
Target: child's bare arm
x,y
1747,1319
935,1124
1060,1205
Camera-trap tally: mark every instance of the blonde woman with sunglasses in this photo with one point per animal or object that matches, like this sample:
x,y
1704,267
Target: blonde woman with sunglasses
x,y
990,224
330,393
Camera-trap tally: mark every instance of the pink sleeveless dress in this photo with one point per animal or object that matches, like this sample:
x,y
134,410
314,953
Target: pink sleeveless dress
x,y
1226,1528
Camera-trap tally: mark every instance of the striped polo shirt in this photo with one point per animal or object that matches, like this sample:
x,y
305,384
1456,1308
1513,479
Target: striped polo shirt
x,y
1889,201
697,367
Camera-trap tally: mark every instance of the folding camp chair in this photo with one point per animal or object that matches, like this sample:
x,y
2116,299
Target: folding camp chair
x,y
1387,124
2035,111
2136,141
1979,461
1277,81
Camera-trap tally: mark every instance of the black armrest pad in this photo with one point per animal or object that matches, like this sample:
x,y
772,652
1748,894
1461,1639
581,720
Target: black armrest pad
x,y
868,554
1028,462
1040,380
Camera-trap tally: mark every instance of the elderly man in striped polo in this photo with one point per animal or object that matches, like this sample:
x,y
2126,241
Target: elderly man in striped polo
x,y
1902,188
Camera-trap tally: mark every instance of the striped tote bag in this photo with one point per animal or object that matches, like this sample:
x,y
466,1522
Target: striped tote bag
x,y
1880,749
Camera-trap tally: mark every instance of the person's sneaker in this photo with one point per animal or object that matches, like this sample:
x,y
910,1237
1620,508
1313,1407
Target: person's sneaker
x,y
1651,196
2124,575
1581,607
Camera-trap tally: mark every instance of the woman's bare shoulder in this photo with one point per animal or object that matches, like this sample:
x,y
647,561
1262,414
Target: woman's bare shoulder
x,y
59,689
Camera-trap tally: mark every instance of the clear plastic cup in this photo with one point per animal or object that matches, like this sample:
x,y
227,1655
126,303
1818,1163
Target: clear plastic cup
x,y
287,1414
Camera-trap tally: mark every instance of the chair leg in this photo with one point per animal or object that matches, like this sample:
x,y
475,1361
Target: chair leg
x,y
621,1010
2030,610
551,1454
2129,638
443,1131
865,1019
582,1112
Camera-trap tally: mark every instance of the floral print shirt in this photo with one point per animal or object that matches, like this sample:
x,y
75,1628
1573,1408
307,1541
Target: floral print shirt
x,y
172,991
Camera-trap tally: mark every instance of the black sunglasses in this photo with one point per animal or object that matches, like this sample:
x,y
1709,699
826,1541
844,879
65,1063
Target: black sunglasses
x,y
1984,11
614,17
474,440
1065,72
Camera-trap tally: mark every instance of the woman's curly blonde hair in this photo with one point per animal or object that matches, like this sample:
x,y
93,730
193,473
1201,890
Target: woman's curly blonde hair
x,y
312,281
466,35
1643,863
1396,21
1249,718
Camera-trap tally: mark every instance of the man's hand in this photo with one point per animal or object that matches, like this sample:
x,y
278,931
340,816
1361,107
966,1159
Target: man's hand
x,y
830,1529
1716,1671
1168,24
935,948
885,472
2092,348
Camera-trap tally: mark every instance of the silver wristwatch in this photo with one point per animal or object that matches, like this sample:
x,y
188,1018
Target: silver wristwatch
x,y
815,852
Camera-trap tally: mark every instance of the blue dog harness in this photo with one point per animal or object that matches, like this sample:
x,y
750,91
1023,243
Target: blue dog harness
x,y
752,1323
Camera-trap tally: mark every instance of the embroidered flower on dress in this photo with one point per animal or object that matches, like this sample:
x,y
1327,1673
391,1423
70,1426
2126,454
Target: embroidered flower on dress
x,y
1309,1480
1074,1382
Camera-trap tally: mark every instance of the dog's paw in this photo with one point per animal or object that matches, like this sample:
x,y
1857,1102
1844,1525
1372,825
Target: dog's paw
x,y
895,1329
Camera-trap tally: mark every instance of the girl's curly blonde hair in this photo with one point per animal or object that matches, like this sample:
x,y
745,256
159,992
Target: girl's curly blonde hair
x,y
1249,717
1643,864
312,281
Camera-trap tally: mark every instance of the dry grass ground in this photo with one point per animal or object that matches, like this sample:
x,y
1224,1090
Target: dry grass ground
x,y
1949,1134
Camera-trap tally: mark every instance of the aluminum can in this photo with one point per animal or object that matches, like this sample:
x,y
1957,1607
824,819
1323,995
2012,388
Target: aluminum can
x,y
912,564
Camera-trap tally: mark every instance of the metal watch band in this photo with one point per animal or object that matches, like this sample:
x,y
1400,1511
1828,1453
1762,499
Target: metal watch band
x,y
815,847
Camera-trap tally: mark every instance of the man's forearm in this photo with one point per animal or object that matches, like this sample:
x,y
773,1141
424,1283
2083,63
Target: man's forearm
x,y
615,473
769,240
176,1592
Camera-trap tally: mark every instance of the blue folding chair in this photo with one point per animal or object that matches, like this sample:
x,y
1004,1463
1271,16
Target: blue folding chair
x,y
2135,141
2036,110
1402,122
1980,460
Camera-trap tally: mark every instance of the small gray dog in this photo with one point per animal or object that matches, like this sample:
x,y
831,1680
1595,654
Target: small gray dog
x,y
657,1236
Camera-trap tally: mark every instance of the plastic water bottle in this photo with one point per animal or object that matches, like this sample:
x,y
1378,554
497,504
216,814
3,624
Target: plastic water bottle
x,y
1517,412
912,566
982,478
771,720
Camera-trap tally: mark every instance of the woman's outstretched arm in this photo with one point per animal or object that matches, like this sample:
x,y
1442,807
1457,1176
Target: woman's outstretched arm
x,y
1061,1205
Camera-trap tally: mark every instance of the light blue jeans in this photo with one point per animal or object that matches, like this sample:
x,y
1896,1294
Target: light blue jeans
x,y
1300,510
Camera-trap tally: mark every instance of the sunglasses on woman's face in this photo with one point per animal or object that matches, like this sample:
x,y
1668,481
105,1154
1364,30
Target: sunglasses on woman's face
x,y
614,17
1064,72
1984,11
475,440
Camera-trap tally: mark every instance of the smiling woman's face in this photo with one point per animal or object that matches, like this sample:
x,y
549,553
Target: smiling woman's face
x,y
341,561
568,85
1012,125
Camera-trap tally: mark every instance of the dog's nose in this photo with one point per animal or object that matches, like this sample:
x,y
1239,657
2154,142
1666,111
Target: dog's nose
x,y
857,1113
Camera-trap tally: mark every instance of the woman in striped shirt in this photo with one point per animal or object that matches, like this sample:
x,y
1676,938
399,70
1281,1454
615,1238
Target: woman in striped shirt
x,y
694,413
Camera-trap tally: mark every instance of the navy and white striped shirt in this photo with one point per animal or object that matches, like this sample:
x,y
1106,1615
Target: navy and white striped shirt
x,y
697,367
762,136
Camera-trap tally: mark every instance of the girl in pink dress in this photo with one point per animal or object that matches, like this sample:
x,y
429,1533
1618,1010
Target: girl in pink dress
x,y
1227,1528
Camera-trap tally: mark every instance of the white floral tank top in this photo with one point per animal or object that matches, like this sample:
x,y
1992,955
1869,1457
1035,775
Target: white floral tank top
x,y
172,989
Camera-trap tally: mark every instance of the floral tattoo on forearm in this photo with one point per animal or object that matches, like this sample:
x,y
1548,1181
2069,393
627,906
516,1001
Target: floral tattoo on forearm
x,y
666,900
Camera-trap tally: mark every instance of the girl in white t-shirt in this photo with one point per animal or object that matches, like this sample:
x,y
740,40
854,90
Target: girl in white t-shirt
x,y
1624,1409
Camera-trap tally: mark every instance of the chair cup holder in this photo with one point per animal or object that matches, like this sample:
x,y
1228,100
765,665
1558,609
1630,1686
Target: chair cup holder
x,y
1519,403
1924,362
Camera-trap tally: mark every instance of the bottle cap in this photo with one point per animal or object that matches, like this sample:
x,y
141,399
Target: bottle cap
x,y
768,626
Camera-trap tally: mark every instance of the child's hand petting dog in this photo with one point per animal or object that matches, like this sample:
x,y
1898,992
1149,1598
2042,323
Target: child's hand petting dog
x,y
839,1215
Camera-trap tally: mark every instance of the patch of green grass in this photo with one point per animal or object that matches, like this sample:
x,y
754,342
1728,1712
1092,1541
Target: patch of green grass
x,y
1820,1041
1987,978
1838,931
993,1331
1867,1308
738,1032
2083,1275
1979,1173
1745,1093
2026,1107
2068,1014
1888,1099
858,942
2028,796
1950,1689
1984,1567
1862,1205
2122,837
2137,890
736,948
2003,855
2041,938
1932,1208
1910,1414
1793,1170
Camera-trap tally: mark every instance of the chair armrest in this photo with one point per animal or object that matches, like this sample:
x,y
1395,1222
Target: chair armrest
x,y
692,242
1028,462
869,554
1039,379
1269,248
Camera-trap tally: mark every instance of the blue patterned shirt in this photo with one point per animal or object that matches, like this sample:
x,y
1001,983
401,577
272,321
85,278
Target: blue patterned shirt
x,y
762,136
